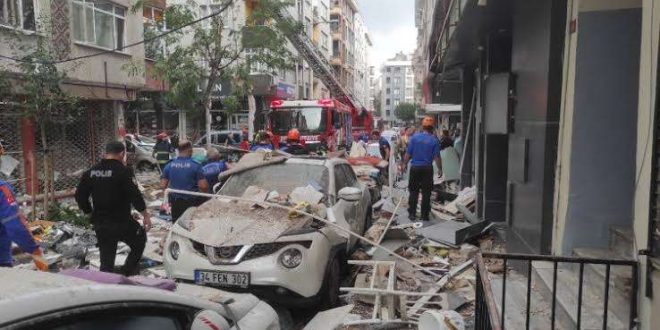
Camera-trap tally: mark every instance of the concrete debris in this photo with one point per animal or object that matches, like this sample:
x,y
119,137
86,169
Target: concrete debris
x,y
306,194
441,320
330,319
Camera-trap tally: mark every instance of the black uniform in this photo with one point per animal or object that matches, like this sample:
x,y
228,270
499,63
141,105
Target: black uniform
x,y
112,189
162,151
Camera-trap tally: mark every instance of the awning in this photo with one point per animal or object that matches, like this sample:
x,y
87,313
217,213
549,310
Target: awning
x,y
442,108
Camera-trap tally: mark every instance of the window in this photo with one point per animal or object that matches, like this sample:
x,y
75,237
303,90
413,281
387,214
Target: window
x,y
154,24
389,69
387,80
388,113
349,175
397,69
397,81
18,14
340,179
387,101
397,102
388,90
397,91
99,23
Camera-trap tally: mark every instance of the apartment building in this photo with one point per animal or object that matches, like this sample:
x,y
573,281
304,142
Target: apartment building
x,y
362,74
73,29
321,36
397,83
342,23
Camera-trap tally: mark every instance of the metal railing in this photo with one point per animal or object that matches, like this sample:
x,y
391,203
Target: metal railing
x,y
485,309
486,313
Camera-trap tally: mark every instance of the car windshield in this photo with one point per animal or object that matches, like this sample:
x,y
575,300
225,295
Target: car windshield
x,y
307,120
282,178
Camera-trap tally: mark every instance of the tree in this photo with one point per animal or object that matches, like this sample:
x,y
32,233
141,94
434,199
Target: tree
x,y
202,55
406,111
36,92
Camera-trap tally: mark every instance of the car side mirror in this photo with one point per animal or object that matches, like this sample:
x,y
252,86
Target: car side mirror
x,y
350,194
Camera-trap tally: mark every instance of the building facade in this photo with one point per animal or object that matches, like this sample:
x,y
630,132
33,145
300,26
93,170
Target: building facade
x,y
542,85
397,85
342,24
90,35
362,91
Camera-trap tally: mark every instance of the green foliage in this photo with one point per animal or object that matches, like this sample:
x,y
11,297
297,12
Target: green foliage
x,y
64,213
202,55
406,111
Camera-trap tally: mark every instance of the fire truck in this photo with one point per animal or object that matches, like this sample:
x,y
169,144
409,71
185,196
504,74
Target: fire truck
x,y
324,125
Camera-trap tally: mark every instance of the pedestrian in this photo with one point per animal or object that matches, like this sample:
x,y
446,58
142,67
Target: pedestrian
x,y
423,150
183,173
162,150
111,186
383,145
293,145
213,167
263,142
445,140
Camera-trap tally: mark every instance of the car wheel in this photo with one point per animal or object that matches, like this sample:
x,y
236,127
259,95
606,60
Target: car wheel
x,y
333,282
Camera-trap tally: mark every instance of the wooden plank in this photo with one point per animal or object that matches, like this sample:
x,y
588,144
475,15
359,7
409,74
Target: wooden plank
x,y
438,286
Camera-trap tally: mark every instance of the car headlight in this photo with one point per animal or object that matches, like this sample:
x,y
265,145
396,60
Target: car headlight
x,y
175,250
184,219
291,258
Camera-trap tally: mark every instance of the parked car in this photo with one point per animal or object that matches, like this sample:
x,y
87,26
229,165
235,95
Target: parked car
x,y
142,141
228,137
139,157
298,267
36,300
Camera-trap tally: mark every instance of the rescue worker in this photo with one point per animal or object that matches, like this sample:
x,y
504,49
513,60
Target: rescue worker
x,y
293,145
13,227
162,150
423,150
213,167
263,142
183,173
383,145
112,189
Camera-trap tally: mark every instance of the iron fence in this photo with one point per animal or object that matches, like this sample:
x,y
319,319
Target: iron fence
x,y
486,312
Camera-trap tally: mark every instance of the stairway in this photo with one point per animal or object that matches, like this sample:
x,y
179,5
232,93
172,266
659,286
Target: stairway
x,y
594,276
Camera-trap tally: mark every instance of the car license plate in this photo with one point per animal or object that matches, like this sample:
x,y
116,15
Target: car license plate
x,y
238,279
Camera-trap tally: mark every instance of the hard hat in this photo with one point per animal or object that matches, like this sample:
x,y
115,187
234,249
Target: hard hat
x,y
293,135
428,122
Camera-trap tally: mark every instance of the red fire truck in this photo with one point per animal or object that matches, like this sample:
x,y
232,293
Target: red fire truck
x,y
325,124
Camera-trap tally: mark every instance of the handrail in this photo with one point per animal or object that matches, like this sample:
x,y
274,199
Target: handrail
x,y
486,288
552,258
445,27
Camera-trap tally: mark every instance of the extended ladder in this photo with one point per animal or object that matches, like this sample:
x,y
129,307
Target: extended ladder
x,y
322,69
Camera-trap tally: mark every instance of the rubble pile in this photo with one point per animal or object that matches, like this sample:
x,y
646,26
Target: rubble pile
x,y
441,278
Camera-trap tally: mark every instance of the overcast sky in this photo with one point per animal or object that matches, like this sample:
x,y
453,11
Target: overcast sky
x,y
391,24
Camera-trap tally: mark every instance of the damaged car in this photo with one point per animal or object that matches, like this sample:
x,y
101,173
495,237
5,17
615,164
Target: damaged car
x,y
274,252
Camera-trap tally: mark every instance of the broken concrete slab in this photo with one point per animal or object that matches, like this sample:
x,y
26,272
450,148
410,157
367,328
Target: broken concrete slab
x,y
330,319
452,232
469,216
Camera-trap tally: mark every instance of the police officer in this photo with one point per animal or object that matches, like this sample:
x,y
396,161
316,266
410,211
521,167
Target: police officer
x,y
423,149
183,173
112,189
383,145
293,145
162,150
13,227
214,167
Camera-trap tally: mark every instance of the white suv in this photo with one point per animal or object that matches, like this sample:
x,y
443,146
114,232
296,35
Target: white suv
x,y
240,249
